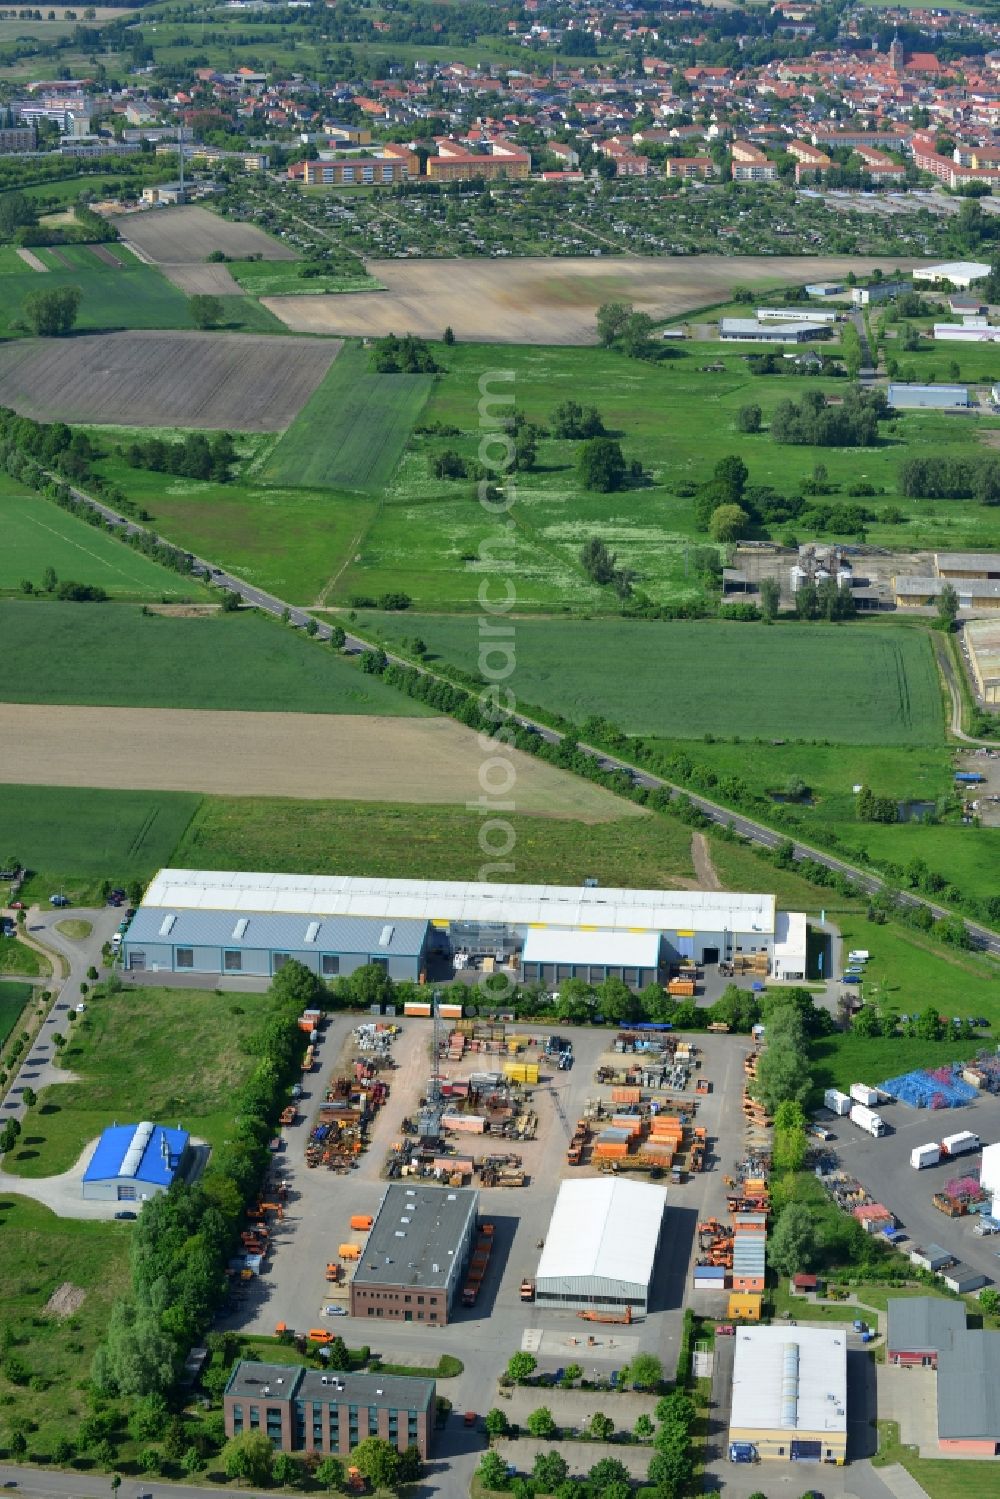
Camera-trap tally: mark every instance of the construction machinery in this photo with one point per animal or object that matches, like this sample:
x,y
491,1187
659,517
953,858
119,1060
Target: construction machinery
x,y
527,1290
615,1318
333,1271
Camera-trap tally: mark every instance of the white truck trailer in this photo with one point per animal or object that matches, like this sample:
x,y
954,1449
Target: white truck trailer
x,y
925,1155
837,1102
960,1144
861,1093
868,1120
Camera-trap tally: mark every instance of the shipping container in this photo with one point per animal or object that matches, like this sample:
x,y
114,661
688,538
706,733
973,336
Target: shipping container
x,y
415,1007
960,1144
450,1012
861,1093
925,1155
468,1124
626,1095
837,1102
521,1072
868,1120
362,1222
349,1251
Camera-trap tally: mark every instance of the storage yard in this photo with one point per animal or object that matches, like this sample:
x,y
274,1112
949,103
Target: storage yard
x,y
368,1094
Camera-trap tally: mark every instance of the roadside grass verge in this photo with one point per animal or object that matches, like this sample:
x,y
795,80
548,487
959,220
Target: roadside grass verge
x,y
13,998
18,957
142,1054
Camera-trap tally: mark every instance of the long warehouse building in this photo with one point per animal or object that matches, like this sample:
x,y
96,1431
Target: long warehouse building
x,y
601,1247
225,922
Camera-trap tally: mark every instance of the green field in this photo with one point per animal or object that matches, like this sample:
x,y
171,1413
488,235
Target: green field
x,y
37,534
148,1053
278,278
857,684
17,957
115,655
352,430
13,998
73,838
300,837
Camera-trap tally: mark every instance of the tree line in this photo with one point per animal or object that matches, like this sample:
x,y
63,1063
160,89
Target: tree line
x,y
951,477
815,421
193,457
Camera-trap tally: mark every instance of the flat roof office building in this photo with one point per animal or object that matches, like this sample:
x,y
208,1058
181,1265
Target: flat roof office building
x,y
415,1256
303,1410
790,1393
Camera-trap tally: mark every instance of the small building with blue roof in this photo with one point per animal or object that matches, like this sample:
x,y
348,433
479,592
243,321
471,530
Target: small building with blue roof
x,y
132,1162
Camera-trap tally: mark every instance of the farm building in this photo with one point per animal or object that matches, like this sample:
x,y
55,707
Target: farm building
x,y
927,397
132,1162
789,1396
343,1408
982,639
960,567
748,330
601,1246
251,924
930,1332
914,593
414,1260
972,330
961,273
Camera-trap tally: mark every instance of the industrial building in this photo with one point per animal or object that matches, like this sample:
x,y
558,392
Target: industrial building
x,y
789,1397
961,567
133,1162
303,1410
928,397
413,1261
748,330
961,273
929,1332
975,576
971,330
192,921
794,315
879,291
601,1247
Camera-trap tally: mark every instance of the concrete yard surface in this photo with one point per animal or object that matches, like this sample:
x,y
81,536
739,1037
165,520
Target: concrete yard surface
x,y
326,756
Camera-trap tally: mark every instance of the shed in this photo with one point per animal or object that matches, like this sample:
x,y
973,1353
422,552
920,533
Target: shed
x,y
804,1283
920,1326
962,1279
132,1162
601,1246
927,397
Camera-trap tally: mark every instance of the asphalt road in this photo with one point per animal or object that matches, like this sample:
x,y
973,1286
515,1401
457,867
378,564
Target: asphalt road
x,y
756,832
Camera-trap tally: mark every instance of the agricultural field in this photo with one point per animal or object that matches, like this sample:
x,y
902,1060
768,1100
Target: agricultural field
x,y
131,296
71,838
133,1060
860,684
38,534
536,301
321,755
351,432
185,233
278,278
13,998
115,655
370,838
222,380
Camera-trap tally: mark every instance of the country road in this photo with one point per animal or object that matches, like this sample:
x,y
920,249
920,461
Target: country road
x,y
983,937
947,666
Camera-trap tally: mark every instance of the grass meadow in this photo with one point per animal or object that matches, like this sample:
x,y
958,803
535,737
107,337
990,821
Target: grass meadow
x,y
71,838
277,278
854,684
148,1053
116,656
16,957
352,430
38,534
13,998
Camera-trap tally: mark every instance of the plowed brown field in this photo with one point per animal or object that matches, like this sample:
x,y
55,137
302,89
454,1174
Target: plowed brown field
x,y
544,301
242,382
318,756
187,233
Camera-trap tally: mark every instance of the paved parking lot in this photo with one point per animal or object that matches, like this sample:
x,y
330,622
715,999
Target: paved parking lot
x,y
909,1396
883,1166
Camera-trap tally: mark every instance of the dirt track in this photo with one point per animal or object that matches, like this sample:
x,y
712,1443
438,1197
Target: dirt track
x,y
544,301
317,756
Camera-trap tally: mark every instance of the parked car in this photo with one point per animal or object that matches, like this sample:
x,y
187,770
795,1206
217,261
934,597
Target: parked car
x,y
125,1215
334,1311
59,900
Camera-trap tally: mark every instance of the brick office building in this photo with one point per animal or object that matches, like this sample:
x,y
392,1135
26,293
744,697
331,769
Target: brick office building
x,y
303,1410
414,1261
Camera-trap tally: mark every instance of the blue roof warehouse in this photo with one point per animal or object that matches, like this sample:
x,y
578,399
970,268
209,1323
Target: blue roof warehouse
x,y
132,1162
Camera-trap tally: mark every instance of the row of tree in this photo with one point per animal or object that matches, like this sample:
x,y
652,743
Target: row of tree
x,y
948,477
193,457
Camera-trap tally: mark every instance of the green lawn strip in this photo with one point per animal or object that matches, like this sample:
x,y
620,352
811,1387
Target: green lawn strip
x,y
17,957
71,838
38,534
365,838
843,1059
115,655
859,684
74,928
144,1054
940,1478
352,430
13,998
289,541
42,1253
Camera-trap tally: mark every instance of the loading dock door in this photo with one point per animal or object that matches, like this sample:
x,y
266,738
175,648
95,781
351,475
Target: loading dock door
x,y
710,955
806,1452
